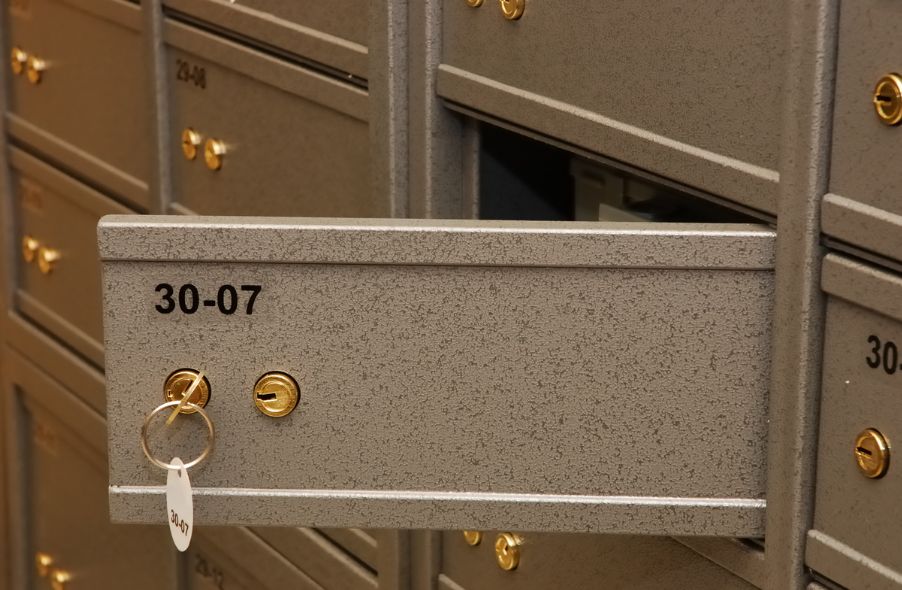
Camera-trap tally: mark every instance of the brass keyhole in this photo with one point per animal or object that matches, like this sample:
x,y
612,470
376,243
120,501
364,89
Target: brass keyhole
x,y
276,394
473,538
513,9
888,99
872,453
507,551
191,139
179,382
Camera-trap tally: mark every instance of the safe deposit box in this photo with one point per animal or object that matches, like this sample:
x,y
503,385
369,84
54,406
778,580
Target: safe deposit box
x,y
556,377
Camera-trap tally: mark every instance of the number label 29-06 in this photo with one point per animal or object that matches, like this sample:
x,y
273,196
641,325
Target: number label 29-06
x,y
187,298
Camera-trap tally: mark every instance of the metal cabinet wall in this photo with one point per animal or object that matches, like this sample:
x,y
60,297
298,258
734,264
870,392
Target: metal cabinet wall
x,y
464,109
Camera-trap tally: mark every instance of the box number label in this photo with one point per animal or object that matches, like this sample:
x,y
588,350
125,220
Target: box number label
x,y
884,354
187,299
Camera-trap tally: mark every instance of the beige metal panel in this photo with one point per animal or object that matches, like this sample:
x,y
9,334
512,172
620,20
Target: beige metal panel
x,y
236,559
864,208
332,33
296,142
856,521
690,92
60,214
59,456
362,543
579,561
329,565
419,336
90,109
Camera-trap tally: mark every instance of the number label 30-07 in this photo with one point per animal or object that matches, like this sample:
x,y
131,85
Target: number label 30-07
x,y
187,298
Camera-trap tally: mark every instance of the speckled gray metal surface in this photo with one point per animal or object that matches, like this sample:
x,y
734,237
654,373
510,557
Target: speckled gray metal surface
x,y
564,377
864,208
856,519
624,80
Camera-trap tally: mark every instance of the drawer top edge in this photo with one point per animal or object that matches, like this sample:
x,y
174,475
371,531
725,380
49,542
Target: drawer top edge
x,y
437,242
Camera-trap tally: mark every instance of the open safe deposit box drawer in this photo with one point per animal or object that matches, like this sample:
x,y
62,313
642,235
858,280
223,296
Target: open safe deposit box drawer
x,y
603,377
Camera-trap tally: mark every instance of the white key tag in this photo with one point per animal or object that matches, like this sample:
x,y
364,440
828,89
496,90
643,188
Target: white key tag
x,y
179,505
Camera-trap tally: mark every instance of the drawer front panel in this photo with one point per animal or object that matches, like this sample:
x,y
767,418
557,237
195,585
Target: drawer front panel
x,y
329,565
461,346
856,516
690,92
578,561
864,208
60,215
286,153
91,107
332,33
64,481
235,559
363,544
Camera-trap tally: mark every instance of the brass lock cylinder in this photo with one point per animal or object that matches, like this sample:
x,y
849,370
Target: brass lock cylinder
x,y
888,99
42,564
17,60
473,538
276,394
872,452
214,152
191,140
179,382
30,247
513,9
47,259
34,68
507,551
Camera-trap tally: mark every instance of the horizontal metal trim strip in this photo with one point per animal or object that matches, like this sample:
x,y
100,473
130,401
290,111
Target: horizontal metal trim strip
x,y
328,92
856,223
749,184
59,326
844,565
120,12
437,242
742,517
107,176
70,189
863,285
83,380
295,37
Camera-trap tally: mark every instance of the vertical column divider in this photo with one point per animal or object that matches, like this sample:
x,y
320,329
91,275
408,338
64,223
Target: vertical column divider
x,y
436,134
388,67
160,181
799,314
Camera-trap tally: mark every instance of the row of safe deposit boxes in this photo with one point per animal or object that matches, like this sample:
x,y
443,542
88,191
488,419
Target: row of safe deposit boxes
x,y
537,377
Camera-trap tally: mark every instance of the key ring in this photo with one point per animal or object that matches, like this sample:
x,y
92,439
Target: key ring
x,y
210,434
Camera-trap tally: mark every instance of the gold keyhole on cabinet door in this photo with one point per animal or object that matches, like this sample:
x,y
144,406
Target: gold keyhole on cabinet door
x,y
872,453
191,140
276,394
507,551
17,60
34,68
888,99
473,538
214,152
513,9
59,579
178,383
42,564
47,259
30,247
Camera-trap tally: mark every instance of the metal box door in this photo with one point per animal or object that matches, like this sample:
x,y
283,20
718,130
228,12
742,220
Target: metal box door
x,y
510,375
